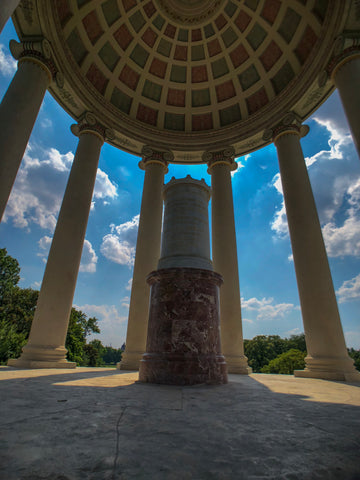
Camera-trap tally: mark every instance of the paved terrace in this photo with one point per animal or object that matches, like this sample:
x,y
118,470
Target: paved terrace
x,y
100,424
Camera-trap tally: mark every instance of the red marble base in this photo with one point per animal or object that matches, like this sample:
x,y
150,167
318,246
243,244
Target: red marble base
x,y
183,342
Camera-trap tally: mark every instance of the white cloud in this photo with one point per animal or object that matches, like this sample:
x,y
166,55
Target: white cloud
x,y
335,180
349,290
39,188
8,65
240,164
247,320
345,239
44,245
119,245
111,323
88,258
129,284
265,309
294,331
104,187
279,224
125,302
46,123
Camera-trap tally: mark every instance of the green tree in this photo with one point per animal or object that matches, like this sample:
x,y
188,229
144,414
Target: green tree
x,y
9,273
296,341
355,355
263,348
111,356
286,363
79,329
94,351
17,308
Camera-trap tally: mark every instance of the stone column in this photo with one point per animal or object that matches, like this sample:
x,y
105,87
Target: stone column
x,y
19,108
225,261
327,355
183,337
344,70
7,8
46,345
154,163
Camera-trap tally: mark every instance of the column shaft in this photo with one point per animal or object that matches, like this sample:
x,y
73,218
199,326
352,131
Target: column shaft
x,y
347,81
45,348
7,8
18,112
225,262
146,258
327,355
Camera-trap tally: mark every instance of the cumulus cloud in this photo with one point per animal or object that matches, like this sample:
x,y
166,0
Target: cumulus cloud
x,y
88,258
112,324
7,63
44,246
39,188
240,164
335,179
344,239
129,284
349,290
266,309
104,187
125,302
119,245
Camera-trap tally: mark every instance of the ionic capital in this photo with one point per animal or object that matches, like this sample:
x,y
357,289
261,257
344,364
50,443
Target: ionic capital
x,y
289,125
38,52
346,48
151,155
220,157
88,123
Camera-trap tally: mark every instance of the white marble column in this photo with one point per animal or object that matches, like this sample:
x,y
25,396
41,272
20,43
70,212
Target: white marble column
x,y
46,345
154,163
225,260
327,354
7,8
345,72
19,109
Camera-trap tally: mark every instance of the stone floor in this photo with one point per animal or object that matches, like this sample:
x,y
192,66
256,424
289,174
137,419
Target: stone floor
x,y
99,424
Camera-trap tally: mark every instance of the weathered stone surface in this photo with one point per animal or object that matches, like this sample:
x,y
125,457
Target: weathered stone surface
x,y
183,343
98,424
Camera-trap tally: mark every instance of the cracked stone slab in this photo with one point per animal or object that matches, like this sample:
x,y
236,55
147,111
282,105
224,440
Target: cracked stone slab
x,y
96,424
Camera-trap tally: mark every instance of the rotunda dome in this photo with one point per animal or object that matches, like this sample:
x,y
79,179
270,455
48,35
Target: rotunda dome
x,y
187,75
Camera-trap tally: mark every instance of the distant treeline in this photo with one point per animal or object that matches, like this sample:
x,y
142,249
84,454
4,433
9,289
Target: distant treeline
x,y
273,354
266,353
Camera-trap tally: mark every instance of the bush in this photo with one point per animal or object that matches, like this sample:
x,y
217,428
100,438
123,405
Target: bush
x,y
286,363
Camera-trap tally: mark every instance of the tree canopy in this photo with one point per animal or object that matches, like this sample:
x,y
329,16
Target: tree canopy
x,y
17,308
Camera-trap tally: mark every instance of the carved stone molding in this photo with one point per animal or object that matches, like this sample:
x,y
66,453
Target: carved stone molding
x,y
220,157
88,123
290,124
154,155
346,48
37,51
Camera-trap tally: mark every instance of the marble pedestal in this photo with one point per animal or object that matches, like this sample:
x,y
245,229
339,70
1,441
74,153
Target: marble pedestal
x,y
183,343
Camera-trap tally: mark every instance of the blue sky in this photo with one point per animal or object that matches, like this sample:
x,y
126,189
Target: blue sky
x,y
270,303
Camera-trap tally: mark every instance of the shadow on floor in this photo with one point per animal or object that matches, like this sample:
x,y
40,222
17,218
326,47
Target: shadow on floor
x,y
100,424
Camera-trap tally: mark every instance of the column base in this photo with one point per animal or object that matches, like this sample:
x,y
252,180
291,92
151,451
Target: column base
x,y
174,369
329,368
183,343
130,361
42,357
237,364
